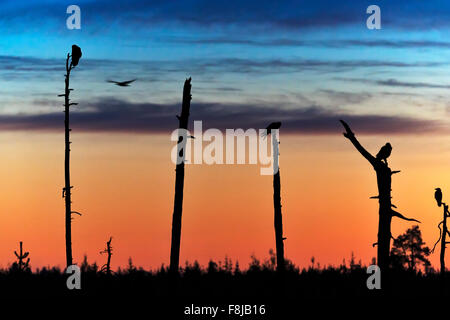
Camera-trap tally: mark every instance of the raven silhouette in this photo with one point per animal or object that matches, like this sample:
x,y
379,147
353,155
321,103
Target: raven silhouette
x,y
384,152
123,83
438,196
76,55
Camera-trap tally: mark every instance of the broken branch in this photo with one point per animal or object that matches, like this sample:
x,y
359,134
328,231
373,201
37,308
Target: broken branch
x,y
399,215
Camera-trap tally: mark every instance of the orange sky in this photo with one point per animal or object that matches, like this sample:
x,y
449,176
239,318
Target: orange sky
x,y
124,187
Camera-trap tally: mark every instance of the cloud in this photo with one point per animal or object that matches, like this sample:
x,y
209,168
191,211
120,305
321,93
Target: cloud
x,y
264,14
203,13
345,98
285,42
12,67
396,83
113,115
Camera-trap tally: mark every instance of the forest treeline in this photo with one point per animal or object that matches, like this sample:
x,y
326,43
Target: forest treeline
x,y
227,278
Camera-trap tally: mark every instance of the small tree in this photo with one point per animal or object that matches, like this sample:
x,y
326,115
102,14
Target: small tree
x,y
108,250
409,251
22,264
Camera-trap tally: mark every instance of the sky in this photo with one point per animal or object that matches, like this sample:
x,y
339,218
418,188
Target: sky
x,y
305,63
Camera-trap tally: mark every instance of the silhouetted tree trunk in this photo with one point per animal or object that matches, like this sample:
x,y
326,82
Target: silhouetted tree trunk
x,y
444,240
385,212
442,236
67,190
68,187
108,262
278,218
179,179
107,267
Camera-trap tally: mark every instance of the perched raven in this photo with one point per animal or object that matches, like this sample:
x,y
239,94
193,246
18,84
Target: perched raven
x,y
76,55
270,127
384,152
123,83
438,196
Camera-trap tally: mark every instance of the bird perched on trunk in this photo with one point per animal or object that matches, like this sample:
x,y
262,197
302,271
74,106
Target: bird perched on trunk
x,y
270,127
76,55
384,152
438,196
123,83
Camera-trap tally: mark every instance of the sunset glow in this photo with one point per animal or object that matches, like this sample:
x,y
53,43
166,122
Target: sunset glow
x,y
306,68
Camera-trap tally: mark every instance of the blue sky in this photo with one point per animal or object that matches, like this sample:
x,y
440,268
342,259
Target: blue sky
x,y
308,63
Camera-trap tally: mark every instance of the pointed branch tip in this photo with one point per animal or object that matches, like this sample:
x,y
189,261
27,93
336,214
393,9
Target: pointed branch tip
x,y
399,215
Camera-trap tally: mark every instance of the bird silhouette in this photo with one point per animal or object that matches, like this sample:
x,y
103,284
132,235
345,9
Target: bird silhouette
x,y
270,127
123,83
438,196
384,152
76,55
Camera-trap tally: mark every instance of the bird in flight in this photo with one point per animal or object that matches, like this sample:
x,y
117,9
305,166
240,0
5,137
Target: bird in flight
x,y
438,196
384,152
270,127
123,83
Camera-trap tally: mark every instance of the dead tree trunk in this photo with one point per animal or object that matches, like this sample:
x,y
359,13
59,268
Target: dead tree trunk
x,y
442,235
385,212
444,239
179,178
67,192
384,181
107,267
278,218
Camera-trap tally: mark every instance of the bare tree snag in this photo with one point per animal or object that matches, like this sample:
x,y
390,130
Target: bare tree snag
x,y
385,212
278,218
444,239
108,250
71,62
179,179
442,232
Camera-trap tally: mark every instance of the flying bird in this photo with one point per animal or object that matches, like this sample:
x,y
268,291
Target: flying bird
x,y
438,196
384,152
270,127
123,83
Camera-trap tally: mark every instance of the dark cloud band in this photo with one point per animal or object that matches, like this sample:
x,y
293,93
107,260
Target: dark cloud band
x,y
111,115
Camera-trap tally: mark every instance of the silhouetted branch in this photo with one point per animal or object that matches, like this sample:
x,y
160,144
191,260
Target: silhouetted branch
x,y
440,236
376,243
399,215
351,136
